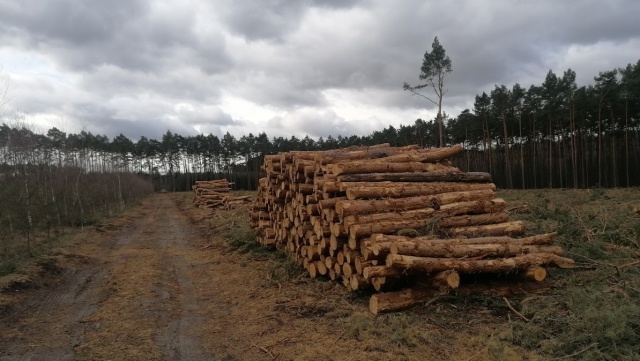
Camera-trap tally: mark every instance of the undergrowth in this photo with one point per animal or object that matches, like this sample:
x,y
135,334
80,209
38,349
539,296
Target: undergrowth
x,y
234,228
593,312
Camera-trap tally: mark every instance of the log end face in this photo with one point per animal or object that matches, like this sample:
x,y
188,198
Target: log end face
x,y
537,274
373,305
453,279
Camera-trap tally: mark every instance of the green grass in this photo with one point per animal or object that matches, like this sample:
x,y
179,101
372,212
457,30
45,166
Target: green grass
x,y
593,312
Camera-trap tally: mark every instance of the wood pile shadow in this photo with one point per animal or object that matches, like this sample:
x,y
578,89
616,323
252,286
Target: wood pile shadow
x,y
398,220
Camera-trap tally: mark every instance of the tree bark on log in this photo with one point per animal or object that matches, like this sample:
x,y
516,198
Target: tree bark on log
x,y
447,210
427,155
470,177
384,166
431,265
346,208
473,220
401,300
537,274
539,240
447,250
382,271
358,282
513,228
391,190
444,280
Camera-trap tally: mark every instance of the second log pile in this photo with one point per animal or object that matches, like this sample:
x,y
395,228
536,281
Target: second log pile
x,y
216,194
391,217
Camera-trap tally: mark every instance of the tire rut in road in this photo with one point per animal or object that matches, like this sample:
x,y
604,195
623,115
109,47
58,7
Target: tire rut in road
x,y
134,301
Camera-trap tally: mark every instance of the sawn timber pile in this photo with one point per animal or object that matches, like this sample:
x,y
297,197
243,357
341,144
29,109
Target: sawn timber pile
x,y
216,194
389,218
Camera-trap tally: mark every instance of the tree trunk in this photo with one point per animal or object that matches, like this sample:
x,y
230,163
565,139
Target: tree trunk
x,y
425,242
513,228
346,208
447,210
431,265
394,190
446,250
384,166
470,177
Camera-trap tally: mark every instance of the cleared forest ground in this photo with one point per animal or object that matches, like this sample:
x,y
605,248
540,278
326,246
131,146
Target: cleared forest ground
x,y
167,281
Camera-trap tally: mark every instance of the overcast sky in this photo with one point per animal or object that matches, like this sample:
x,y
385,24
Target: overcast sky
x,y
286,67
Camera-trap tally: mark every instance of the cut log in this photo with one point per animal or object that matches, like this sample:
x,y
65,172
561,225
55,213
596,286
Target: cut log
x,y
447,210
473,220
346,208
432,265
513,228
401,300
358,282
452,250
471,177
427,155
383,166
381,271
537,274
390,190
381,248
444,280
539,240
357,231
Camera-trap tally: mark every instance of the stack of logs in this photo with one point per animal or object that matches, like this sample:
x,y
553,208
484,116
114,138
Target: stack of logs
x,y
393,217
216,194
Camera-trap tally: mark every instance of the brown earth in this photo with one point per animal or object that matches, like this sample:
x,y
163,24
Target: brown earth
x,y
159,283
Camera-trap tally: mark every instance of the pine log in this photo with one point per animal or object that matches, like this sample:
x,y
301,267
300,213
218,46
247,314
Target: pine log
x,y
473,220
539,240
381,248
537,274
347,269
383,166
401,300
513,228
346,208
361,230
321,267
419,189
449,250
358,282
426,155
382,271
432,265
447,210
444,280
470,177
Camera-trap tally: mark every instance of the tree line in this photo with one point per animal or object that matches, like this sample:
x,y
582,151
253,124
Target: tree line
x,y
554,134
52,183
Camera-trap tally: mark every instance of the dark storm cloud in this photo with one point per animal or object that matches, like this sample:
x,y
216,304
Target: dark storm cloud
x,y
272,19
128,34
154,65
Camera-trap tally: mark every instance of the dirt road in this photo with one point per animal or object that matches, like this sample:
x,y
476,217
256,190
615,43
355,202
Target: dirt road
x,y
159,283
129,297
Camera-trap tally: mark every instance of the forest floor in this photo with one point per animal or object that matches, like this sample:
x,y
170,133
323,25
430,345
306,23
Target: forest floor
x,y
166,281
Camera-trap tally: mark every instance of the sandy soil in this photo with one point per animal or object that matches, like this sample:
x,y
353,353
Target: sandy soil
x,y
159,284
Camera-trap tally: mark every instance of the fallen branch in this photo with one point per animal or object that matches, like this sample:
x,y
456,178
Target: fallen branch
x,y
514,310
577,352
263,350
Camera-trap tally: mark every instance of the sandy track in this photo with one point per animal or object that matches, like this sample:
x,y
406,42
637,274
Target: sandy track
x,y
128,296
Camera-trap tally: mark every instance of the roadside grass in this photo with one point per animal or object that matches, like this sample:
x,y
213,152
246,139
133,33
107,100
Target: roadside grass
x,y
17,253
593,312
